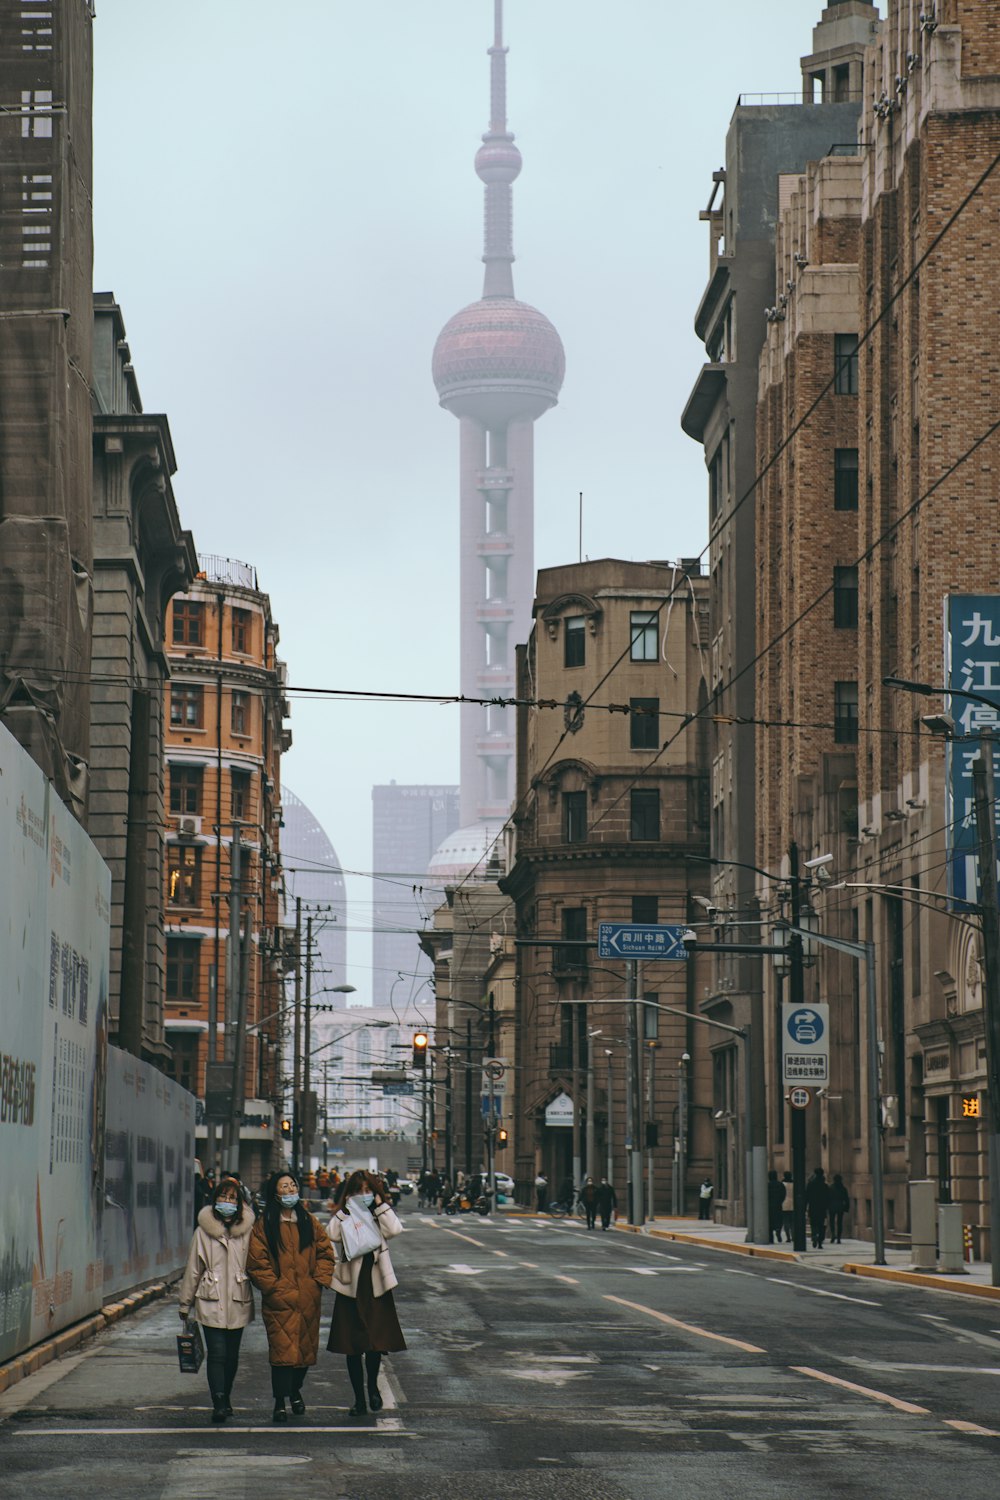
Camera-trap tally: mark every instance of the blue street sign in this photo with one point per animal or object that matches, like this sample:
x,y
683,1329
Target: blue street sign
x,y
634,940
497,1106
396,1090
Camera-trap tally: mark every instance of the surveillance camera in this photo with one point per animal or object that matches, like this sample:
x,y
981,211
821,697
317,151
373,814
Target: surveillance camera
x,y
689,938
819,862
685,1057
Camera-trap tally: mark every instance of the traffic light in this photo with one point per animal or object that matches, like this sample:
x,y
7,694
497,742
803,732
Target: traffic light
x,y
501,1138
286,1130
420,1050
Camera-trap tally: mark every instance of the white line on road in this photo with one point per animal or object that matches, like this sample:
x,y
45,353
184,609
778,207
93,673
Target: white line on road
x,y
391,1427
703,1333
570,1280
862,1390
819,1292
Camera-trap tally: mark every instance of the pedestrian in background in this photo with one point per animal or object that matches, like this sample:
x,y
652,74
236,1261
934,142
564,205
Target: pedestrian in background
x,y
788,1207
444,1193
607,1202
775,1205
541,1192
817,1206
290,1260
216,1288
705,1194
365,1325
840,1203
588,1197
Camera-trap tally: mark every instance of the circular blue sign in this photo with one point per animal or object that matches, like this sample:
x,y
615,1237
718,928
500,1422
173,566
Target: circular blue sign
x,y
805,1027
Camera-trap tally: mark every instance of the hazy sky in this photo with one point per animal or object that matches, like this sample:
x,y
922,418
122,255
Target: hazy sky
x,y
286,209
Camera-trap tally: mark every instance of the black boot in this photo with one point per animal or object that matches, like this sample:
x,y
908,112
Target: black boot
x,y
279,1414
220,1408
355,1369
373,1363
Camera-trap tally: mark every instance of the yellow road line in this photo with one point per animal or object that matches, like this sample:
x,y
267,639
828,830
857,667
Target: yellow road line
x,y
703,1333
972,1427
503,1253
570,1280
862,1390
458,1236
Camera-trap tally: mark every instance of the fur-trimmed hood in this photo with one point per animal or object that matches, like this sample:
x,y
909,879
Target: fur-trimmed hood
x,y
215,1229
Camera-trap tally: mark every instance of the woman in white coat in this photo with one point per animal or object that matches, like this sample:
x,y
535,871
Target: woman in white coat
x,y
215,1286
365,1325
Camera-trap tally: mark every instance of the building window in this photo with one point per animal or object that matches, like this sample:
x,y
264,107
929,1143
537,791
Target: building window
x,y
574,641
650,1016
189,622
241,631
646,910
645,814
187,706
183,1064
183,874
182,969
845,364
574,931
185,789
845,598
240,713
644,634
644,723
239,782
845,478
845,713
574,817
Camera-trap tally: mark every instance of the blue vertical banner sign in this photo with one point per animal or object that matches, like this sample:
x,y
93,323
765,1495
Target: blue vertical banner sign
x,y
972,665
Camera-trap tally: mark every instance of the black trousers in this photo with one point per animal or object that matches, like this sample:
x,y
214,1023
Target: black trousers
x,y
222,1358
286,1380
836,1223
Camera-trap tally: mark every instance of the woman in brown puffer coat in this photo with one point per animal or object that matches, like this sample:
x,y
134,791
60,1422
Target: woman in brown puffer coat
x,y
290,1260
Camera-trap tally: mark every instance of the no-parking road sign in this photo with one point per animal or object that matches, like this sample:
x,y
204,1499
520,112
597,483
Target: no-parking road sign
x,y
805,1044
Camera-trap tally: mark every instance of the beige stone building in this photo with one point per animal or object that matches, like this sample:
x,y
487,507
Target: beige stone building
x,y
611,825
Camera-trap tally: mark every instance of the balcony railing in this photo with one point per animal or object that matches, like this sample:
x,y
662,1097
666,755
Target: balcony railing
x,y
227,570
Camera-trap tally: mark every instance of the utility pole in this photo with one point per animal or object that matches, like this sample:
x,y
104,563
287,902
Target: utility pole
x,y
589,1139
297,1038
468,1099
306,1123
449,1161
796,980
610,1132
650,1125
236,1000
574,1065
634,1104
985,800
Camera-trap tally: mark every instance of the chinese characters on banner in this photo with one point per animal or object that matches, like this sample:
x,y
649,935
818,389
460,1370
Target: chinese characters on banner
x,y
972,665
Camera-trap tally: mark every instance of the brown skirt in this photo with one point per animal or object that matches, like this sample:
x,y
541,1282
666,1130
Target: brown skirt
x,y
365,1324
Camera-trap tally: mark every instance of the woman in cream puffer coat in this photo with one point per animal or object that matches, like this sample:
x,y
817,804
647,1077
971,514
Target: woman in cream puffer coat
x,y
365,1325
216,1288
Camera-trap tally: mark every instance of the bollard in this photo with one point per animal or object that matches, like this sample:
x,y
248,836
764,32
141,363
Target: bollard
x,y
967,1241
923,1230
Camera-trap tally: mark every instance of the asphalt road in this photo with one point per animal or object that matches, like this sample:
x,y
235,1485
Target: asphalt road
x,y
546,1361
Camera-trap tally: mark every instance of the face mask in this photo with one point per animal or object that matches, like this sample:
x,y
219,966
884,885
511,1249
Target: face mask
x,y
366,1199
289,1200
227,1210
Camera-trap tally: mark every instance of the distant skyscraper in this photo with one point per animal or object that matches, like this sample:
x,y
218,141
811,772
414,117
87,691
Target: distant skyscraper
x,y
498,365
408,825
313,874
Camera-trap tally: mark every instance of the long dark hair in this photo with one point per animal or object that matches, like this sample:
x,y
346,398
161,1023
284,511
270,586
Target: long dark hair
x,y
272,1214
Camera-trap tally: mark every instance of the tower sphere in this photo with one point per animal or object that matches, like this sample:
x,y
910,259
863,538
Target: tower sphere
x,y
498,159
498,359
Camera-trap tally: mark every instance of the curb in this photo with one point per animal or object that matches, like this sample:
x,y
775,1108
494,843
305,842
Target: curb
x,y
935,1282
759,1252
60,1344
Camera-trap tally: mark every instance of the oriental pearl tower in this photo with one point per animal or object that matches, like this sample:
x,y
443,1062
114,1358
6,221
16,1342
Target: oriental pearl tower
x,y
498,366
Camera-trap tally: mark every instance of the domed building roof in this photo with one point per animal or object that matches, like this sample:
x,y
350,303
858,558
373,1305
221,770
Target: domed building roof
x,y
498,358
463,851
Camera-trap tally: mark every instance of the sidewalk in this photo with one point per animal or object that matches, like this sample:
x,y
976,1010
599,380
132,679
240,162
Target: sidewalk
x,y
855,1257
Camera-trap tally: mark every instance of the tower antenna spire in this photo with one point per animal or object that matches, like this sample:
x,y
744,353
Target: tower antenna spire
x,y
498,163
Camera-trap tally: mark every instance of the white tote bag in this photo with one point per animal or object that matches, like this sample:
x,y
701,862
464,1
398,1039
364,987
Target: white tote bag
x,y
359,1233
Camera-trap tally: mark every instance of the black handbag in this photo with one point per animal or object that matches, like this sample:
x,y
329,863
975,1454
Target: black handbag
x,y
190,1348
